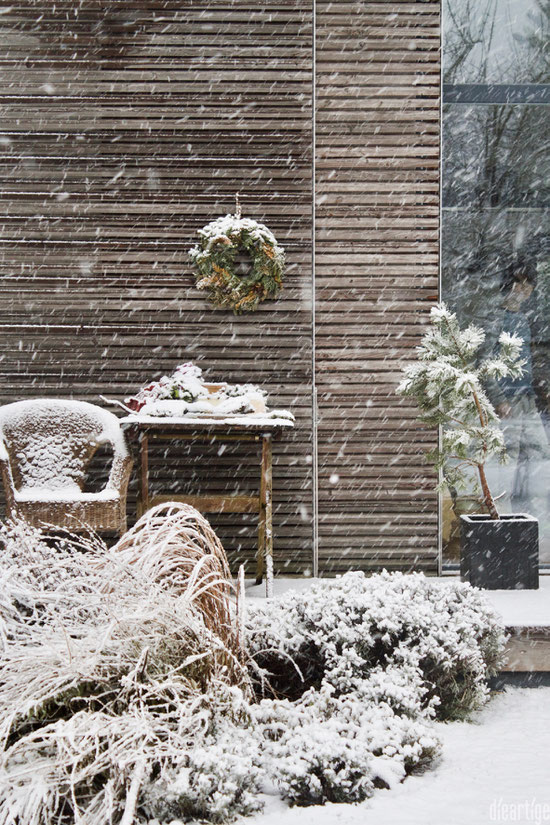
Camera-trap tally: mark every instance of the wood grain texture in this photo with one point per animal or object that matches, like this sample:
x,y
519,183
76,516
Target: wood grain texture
x,y
376,253
127,126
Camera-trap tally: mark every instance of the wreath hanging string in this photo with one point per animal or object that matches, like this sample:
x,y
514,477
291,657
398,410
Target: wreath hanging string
x,y
215,260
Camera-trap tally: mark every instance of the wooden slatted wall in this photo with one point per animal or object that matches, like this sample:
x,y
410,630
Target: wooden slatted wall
x,y
377,196
126,127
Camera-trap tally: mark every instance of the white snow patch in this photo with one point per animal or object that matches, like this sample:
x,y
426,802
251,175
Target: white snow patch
x,y
279,418
229,406
71,494
185,392
523,608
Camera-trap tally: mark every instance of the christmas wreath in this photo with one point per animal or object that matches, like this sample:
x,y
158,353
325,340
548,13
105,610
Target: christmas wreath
x,y
219,255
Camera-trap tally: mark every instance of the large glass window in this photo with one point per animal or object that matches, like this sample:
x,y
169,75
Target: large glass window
x,y
496,226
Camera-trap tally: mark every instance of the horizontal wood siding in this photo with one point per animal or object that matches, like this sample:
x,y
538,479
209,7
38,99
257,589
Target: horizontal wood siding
x,y
126,127
129,125
376,239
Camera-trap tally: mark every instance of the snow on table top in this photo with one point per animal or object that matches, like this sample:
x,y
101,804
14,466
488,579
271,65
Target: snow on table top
x,y
518,608
255,420
43,494
500,760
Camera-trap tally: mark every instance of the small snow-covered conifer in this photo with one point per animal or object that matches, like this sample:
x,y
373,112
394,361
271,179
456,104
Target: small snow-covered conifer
x,y
447,382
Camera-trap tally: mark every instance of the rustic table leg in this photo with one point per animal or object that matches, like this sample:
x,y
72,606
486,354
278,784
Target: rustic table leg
x,y
260,554
143,478
265,542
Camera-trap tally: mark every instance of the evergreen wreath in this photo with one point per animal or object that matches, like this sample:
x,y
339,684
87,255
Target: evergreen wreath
x,y
215,259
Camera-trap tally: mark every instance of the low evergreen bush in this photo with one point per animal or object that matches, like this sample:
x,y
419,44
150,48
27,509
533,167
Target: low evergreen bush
x,y
356,669
443,636
329,748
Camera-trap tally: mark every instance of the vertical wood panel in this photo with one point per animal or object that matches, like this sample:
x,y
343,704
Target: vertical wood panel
x,y
377,225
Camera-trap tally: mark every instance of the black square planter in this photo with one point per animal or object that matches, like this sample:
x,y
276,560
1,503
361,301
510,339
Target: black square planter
x,y
500,554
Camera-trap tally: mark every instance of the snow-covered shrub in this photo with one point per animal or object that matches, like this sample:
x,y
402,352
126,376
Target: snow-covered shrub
x,y
219,777
443,636
217,781
399,686
315,763
122,685
329,748
365,665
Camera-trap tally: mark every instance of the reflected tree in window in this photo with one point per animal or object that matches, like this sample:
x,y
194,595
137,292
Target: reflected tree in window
x,y
496,181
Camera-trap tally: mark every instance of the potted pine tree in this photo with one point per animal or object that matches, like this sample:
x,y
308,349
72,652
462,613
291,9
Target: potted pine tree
x,y
498,551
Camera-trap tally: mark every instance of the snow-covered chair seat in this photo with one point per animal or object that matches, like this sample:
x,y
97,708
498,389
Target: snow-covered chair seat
x,y
46,446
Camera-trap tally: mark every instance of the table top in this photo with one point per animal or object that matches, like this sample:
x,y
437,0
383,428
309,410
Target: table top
x,y
245,424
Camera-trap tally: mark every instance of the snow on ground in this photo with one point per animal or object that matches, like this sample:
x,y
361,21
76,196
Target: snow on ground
x,y
495,769
527,608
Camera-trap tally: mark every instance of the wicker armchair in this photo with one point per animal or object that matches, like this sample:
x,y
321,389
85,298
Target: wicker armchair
x,y
46,445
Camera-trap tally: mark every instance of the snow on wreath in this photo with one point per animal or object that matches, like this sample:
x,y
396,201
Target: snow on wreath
x,y
239,262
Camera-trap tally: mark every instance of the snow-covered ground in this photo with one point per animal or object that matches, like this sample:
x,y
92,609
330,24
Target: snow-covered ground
x,y
526,608
495,769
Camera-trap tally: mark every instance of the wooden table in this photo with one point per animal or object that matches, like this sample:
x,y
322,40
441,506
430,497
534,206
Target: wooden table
x,y
148,429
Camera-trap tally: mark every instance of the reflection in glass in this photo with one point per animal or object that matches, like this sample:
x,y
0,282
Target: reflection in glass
x,y
476,283
496,226
496,41
496,156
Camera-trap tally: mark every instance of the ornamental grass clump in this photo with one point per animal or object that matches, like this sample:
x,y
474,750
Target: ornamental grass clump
x,y
174,545
447,383
112,665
